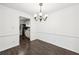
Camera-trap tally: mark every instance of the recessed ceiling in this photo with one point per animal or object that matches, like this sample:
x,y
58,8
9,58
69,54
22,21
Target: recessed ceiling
x,y
32,8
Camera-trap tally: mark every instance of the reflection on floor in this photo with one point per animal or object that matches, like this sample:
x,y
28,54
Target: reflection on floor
x,y
37,47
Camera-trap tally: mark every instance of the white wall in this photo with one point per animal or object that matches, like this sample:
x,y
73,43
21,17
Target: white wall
x,y
33,30
61,28
9,27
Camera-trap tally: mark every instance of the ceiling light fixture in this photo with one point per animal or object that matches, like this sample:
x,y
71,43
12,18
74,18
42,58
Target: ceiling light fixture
x,y
40,16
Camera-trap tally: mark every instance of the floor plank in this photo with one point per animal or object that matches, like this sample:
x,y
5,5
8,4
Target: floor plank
x,y
37,47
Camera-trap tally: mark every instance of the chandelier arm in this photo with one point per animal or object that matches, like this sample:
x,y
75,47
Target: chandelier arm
x,y
35,18
45,18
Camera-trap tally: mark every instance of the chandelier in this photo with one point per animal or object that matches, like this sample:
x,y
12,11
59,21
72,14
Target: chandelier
x,y
40,16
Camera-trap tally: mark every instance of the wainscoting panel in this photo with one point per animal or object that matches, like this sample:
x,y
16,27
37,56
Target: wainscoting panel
x,y
8,41
64,41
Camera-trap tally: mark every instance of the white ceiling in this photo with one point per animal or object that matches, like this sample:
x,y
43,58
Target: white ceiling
x,y
33,8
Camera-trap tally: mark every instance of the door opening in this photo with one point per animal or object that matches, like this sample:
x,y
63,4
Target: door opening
x,y
25,22
24,35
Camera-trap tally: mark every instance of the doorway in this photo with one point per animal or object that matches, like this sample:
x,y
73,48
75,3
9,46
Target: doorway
x,y
24,35
25,22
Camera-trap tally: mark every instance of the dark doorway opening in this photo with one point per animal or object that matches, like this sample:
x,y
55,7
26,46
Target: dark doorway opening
x,y
24,35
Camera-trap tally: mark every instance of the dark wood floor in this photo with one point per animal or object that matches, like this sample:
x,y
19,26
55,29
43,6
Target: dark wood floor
x,y
37,47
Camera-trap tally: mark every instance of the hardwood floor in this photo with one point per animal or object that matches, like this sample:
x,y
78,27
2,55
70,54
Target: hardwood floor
x,y
37,47
44,48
